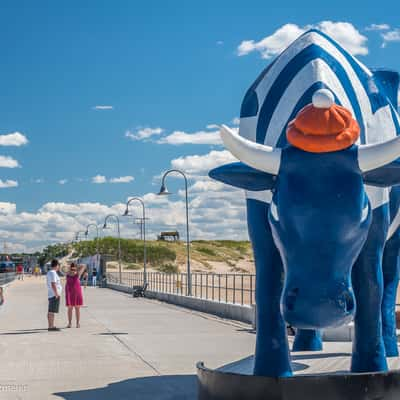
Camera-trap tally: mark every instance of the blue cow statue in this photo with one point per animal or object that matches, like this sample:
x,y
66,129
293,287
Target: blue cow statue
x,y
322,211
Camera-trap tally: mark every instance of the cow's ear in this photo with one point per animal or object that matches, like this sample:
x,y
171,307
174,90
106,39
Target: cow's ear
x,y
388,175
244,177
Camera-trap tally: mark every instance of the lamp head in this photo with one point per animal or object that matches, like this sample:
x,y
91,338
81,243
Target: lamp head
x,y
105,225
87,232
126,213
163,191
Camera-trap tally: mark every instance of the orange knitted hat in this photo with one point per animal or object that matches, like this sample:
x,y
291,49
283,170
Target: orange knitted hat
x,y
323,126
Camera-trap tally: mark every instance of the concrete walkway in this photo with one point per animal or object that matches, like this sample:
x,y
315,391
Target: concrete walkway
x,y
125,349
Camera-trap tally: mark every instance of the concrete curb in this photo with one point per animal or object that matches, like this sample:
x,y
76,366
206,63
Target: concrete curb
x,y
342,334
235,312
224,310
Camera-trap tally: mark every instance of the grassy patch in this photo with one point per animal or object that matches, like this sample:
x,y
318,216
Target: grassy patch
x,y
168,268
133,266
161,256
207,250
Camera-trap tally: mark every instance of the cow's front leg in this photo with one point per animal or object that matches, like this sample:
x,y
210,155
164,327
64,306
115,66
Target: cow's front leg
x,y
368,347
272,350
390,267
307,340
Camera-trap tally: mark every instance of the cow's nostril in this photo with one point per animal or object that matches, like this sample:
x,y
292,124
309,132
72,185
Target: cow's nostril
x,y
291,298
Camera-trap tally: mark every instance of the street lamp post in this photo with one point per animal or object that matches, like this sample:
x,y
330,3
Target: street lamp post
x,y
164,191
97,235
126,213
77,235
139,221
119,242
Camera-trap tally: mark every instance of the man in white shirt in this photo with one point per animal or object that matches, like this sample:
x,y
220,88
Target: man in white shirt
x,y
54,289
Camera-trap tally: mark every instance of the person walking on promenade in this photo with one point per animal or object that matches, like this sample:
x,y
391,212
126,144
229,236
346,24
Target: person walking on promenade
x,y
73,293
85,278
94,277
20,272
54,290
1,296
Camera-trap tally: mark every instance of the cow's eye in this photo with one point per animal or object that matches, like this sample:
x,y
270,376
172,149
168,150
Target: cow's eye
x,y
274,211
364,213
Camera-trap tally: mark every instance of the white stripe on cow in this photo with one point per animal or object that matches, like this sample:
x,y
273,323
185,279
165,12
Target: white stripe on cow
x,y
378,127
372,125
315,71
314,38
394,225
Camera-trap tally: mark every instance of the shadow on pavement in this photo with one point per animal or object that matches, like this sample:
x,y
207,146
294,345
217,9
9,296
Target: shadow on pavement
x,y
309,356
19,333
245,366
111,333
24,331
31,330
248,330
168,387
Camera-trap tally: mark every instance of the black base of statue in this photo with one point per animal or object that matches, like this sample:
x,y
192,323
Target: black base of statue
x,y
218,385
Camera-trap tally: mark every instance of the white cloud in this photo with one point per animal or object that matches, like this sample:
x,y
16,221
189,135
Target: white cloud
x,y
196,164
122,179
103,107
378,27
143,133
207,185
236,121
391,36
154,198
216,211
273,44
8,162
200,137
343,32
13,139
63,181
76,208
8,183
210,136
99,179
38,180
7,208
220,42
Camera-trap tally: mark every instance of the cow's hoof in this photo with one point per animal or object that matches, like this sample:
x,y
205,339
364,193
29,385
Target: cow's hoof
x,y
307,340
369,364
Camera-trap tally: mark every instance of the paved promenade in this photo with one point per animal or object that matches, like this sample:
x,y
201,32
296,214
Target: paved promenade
x,y
125,349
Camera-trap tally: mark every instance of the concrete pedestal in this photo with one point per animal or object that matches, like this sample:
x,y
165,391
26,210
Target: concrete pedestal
x,y
221,385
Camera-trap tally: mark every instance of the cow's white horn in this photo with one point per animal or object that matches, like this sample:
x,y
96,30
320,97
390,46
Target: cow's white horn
x,y
258,156
372,156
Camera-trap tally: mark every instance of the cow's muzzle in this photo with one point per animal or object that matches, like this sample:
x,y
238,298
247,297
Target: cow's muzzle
x,y
315,309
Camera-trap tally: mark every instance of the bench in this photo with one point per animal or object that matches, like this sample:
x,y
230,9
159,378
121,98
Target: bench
x,y
167,236
139,291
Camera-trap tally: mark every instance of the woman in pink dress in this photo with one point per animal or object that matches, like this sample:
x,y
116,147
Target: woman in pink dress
x,y
73,293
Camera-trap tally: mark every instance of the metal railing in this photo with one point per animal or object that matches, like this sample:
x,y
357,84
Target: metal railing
x,y
227,288
6,277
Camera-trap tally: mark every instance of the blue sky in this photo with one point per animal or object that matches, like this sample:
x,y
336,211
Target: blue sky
x,y
169,65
